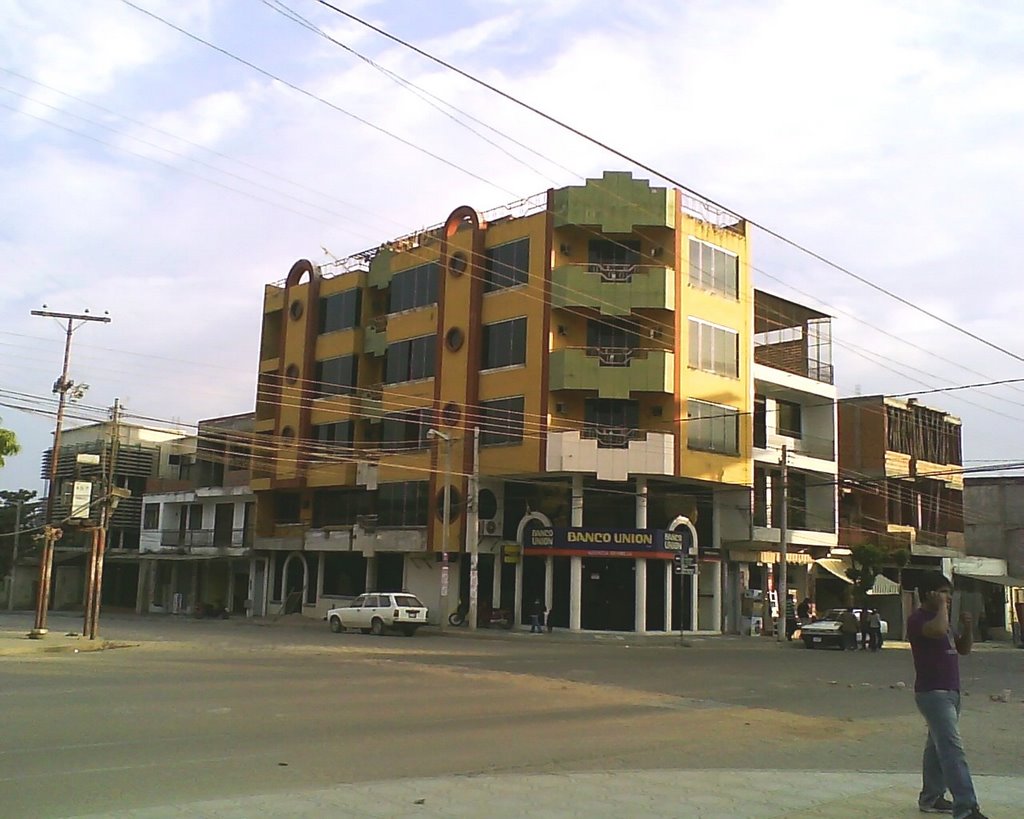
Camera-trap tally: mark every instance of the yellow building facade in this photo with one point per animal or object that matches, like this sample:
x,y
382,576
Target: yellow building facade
x,y
576,369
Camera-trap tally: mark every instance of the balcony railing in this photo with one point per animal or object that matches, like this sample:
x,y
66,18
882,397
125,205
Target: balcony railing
x,y
615,356
609,437
613,271
206,538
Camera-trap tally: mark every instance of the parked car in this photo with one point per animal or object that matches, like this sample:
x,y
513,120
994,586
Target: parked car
x,y
826,630
377,612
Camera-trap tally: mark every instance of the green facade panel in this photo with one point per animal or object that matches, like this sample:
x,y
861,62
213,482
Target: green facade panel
x,y
573,286
573,369
375,342
380,269
616,202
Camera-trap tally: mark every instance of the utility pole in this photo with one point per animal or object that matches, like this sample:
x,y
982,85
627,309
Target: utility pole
x,y
445,519
783,591
472,530
108,501
50,532
14,554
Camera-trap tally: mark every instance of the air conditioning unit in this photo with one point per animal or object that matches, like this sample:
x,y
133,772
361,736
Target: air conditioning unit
x,y
489,528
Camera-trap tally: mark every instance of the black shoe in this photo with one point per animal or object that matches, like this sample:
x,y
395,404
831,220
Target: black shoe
x,y
976,814
940,805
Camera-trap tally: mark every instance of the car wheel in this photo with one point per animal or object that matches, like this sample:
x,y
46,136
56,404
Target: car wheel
x,y
336,624
377,626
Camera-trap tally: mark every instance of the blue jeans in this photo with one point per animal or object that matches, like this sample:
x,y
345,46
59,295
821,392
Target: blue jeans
x,y
535,624
944,765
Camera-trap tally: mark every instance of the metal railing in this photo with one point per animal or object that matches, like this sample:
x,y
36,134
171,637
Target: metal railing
x,y
612,437
205,538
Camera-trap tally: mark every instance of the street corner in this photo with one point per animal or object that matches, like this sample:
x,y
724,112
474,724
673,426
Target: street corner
x,y
19,644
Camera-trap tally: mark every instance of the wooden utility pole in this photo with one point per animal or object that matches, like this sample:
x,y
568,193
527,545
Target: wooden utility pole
x,y
52,533
108,501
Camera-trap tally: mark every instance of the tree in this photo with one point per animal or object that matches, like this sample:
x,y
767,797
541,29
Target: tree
x,y
868,560
8,444
31,518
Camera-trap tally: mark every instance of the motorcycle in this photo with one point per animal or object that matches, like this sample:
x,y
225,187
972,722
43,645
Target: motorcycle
x,y
486,617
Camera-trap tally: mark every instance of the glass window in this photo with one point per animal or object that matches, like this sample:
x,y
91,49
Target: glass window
x,y
340,311
712,427
403,503
410,359
406,429
335,436
714,349
344,573
614,422
607,251
612,333
504,344
507,265
787,418
151,516
714,269
501,421
336,376
338,507
415,287
195,516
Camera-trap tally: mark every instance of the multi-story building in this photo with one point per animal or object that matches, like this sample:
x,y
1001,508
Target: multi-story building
x,y
794,421
142,453
197,525
599,338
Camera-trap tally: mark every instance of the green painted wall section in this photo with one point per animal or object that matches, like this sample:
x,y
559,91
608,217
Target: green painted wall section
x,y
374,343
380,269
573,286
572,369
616,202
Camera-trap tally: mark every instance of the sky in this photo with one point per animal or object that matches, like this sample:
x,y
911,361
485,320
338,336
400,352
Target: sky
x,y
154,178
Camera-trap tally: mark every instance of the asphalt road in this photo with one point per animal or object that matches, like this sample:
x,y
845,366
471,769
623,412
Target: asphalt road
x,y
196,710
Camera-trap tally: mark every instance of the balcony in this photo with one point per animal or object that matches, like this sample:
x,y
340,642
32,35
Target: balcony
x,y
206,539
611,453
369,402
614,289
612,372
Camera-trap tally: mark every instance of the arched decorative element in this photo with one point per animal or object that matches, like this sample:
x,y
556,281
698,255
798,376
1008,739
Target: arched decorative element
x,y
540,517
284,590
451,414
462,214
301,267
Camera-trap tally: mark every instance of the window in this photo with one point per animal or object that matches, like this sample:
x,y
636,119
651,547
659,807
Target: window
x,y
406,430
712,268
338,434
338,507
501,421
286,507
760,422
614,333
714,349
787,418
504,344
195,516
402,504
712,427
614,422
340,311
336,376
507,265
410,359
606,251
151,516
416,287
344,573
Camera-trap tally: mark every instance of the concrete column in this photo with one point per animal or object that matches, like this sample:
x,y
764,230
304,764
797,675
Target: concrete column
x,y
576,563
518,599
549,581
320,578
142,594
174,584
640,621
496,581
716,610
371,574
194,591
641,503
231,588
670,583
695,600
575,590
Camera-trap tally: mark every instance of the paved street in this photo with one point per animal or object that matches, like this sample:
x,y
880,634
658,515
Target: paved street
x,y
228,718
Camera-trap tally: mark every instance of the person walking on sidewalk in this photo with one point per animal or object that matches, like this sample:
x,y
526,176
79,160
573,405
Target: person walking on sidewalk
x,y
937,694
536,612
875,628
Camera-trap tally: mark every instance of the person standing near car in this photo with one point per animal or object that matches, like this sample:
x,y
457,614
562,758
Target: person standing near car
x,y
536,612
848,628
865,629
937,694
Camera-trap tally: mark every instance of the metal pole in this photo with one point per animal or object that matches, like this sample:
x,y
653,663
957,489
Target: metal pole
x,y
783,549
14,554
108,502
49,534
90,590
472,530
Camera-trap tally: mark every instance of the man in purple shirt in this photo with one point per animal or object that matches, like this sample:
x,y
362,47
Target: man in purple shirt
x,y
937,693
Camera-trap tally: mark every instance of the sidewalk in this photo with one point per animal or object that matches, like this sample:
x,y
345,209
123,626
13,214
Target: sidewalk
x,y
714,794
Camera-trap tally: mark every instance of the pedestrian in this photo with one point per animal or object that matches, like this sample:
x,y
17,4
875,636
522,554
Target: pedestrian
x,y
803,611
548,625
937,694
848,628
791,623
875,629
536,612
865,629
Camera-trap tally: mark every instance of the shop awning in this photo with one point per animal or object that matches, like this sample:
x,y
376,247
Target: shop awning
x,y
836,566
998,579
883,585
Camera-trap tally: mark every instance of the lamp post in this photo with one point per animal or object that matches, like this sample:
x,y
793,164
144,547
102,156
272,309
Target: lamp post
x,y
445,518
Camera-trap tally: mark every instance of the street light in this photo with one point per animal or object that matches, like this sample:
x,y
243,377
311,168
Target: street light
x,y
445,518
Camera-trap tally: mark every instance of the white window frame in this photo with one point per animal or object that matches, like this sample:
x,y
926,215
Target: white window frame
x,y
708,363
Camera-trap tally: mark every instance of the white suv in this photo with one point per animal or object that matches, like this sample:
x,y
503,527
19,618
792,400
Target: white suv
x,y
376,612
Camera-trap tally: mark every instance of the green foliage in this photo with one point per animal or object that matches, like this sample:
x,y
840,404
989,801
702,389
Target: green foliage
x,y
868,560
8,445
31,518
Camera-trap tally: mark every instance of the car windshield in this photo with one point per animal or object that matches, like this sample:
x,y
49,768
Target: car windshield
x,y
832,614
408,601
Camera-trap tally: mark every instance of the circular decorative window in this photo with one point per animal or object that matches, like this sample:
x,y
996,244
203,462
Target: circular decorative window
x,y
451,414
454,504
295,309
454,339
486,504
457,263
291,373
287,432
